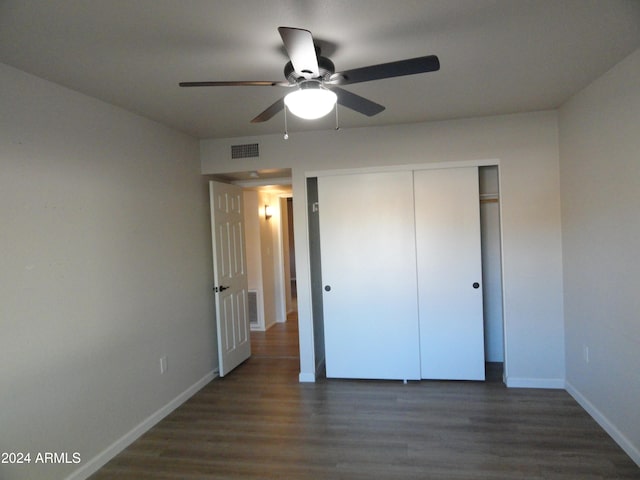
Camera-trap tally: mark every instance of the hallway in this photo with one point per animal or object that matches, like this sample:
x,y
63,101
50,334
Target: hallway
x,y
280,341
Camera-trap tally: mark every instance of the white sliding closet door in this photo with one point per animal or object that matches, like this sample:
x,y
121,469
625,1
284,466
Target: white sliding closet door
x,y
367,239
449,273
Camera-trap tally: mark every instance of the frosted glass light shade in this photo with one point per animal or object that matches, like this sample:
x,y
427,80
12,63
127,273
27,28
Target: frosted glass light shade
x,y
310,103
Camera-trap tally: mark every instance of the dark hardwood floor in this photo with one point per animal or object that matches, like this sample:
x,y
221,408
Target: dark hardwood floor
x,y
280,341
260,423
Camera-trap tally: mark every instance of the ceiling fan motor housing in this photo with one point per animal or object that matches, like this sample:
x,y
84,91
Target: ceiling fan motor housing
x,y
325,68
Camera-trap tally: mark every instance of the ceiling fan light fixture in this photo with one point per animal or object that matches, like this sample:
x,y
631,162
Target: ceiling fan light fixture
x,y
311,101
319,85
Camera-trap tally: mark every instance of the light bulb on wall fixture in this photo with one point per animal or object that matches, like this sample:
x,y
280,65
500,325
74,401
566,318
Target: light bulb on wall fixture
x,y
311,100
267,212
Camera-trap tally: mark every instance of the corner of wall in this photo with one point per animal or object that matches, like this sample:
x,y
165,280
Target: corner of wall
x,y
520,382
93,465
613,431
306,377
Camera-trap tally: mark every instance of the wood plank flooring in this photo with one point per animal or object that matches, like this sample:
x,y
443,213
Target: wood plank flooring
x,y
260,423
280,341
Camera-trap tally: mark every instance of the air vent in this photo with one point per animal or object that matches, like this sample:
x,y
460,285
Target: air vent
x,y
248,150
253,307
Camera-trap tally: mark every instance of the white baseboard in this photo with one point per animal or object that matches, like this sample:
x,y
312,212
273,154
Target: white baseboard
x,y
630,449
127,439
520,382
306,377
311,377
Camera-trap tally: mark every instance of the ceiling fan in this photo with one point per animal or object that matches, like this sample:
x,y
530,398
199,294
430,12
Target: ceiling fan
x,y
317,83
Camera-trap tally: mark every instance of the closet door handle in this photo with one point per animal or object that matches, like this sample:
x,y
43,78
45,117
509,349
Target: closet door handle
x,y
327,288
476,285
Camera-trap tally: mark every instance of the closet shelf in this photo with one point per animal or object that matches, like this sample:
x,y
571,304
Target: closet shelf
x,y
489,198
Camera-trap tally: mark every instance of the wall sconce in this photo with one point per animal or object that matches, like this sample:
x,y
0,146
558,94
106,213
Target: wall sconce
x,y
267,212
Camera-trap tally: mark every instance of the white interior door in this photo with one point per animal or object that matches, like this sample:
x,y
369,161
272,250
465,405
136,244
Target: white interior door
x,y
449,273
367,242
230,275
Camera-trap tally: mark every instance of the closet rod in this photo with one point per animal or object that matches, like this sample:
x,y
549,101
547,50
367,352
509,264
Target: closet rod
x,y
489,198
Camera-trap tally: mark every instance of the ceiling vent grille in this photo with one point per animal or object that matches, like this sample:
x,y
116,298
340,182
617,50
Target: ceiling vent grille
x,y
248,150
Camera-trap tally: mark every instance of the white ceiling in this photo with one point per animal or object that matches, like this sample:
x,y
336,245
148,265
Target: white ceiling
x,y
497,56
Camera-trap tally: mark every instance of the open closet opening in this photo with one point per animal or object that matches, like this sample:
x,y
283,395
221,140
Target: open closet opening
x,y
288,253
316,275
491,272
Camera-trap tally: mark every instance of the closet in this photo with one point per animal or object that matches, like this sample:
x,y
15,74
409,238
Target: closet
x,y
401,274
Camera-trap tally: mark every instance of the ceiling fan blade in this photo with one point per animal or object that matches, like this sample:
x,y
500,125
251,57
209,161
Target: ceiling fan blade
x,y
356,102
269,112
400,68
301,51
257,83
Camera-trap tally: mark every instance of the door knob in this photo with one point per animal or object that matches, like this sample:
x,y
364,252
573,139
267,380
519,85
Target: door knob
x,y
327,288
476,285
221,288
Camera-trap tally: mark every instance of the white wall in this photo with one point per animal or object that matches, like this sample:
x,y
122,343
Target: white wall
x,y
105,266
253,250
600,179
264,254
527,148
252,241
268,250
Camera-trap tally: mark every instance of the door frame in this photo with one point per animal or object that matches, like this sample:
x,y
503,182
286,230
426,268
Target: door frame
x,y
433,166
283,234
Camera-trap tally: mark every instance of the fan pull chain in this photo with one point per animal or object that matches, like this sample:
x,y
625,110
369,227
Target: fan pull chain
x,y
337,126
286,130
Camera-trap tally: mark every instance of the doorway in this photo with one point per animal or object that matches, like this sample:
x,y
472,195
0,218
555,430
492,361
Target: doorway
x,y
270,253
278,336
491,271
491,304
269,262
289,248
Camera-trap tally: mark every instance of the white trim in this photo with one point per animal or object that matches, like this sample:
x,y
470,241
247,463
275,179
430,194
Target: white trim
x,y
619,437
521,382
97,462
305,295
263,182
286,289
503,279
396,168
306,377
